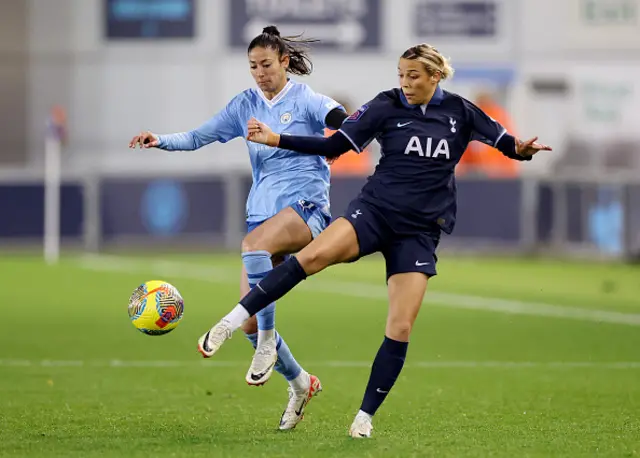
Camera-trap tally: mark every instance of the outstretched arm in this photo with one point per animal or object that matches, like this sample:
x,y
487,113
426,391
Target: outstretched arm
x,y
192,140
329,147
487,130
222,128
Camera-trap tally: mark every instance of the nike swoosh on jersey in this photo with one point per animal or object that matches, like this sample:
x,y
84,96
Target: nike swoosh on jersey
x,y
402,124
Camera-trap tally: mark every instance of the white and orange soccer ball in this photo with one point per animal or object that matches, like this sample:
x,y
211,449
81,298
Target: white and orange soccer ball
x,y
156,307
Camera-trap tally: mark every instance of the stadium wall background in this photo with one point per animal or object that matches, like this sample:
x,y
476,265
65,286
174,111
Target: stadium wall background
x,y
570,217
113,86
72,53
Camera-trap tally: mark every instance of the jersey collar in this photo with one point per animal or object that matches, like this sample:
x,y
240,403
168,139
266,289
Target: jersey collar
x,y
280,96
437,98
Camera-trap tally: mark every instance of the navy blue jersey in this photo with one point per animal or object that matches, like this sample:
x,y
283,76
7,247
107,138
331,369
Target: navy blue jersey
x,y
414,182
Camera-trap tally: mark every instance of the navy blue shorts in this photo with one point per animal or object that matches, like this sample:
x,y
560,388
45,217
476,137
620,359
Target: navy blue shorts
x,y
402,253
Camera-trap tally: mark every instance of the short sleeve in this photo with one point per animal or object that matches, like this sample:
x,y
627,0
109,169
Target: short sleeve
x,y
319,106
364,124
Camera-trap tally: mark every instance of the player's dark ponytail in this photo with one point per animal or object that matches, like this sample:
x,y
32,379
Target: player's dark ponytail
x,y
296,47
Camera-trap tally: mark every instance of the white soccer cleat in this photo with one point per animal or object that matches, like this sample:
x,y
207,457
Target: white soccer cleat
x,y
294,413
264,360
361,427
211,342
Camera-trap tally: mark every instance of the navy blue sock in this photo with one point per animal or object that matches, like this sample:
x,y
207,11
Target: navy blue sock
x,y
273,286
384,373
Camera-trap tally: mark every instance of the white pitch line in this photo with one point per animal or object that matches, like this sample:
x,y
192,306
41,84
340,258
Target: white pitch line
x,y
361,290
116,363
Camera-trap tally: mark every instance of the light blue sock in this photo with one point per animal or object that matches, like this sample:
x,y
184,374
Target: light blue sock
x,y
286,364
289,367
258,264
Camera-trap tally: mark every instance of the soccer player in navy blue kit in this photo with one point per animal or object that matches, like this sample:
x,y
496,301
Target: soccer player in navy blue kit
x,y
401,211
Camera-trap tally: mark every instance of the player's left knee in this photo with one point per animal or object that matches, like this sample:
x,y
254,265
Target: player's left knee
x,y
254,242
399,329
313,260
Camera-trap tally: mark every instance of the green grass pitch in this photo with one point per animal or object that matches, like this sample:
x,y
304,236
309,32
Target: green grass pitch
x,y
508,358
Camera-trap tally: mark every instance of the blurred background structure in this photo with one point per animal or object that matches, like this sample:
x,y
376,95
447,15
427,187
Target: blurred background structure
x,y
568,71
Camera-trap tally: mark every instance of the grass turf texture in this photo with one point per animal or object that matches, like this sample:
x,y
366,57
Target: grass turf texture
x,y
77,379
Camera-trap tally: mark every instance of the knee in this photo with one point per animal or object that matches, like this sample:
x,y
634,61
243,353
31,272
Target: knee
x,y
252,242
313,260
399,329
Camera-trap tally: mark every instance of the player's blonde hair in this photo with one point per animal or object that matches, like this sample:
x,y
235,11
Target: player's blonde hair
x,y
431,58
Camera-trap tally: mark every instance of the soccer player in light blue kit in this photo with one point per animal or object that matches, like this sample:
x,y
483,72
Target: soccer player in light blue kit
x,y
288,205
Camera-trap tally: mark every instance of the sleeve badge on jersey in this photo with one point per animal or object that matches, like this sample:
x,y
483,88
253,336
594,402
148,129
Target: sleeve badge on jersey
x,y
357,114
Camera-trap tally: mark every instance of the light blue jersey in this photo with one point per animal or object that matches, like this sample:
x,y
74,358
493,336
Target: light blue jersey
x,y
280,177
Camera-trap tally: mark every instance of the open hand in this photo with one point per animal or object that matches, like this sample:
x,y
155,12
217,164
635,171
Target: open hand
x,y
145,140
530,147
259,132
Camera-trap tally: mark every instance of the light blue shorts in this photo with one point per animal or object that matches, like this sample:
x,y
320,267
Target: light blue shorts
x,y
316,218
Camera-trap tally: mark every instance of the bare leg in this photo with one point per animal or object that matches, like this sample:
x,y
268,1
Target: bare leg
x,y
406,292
